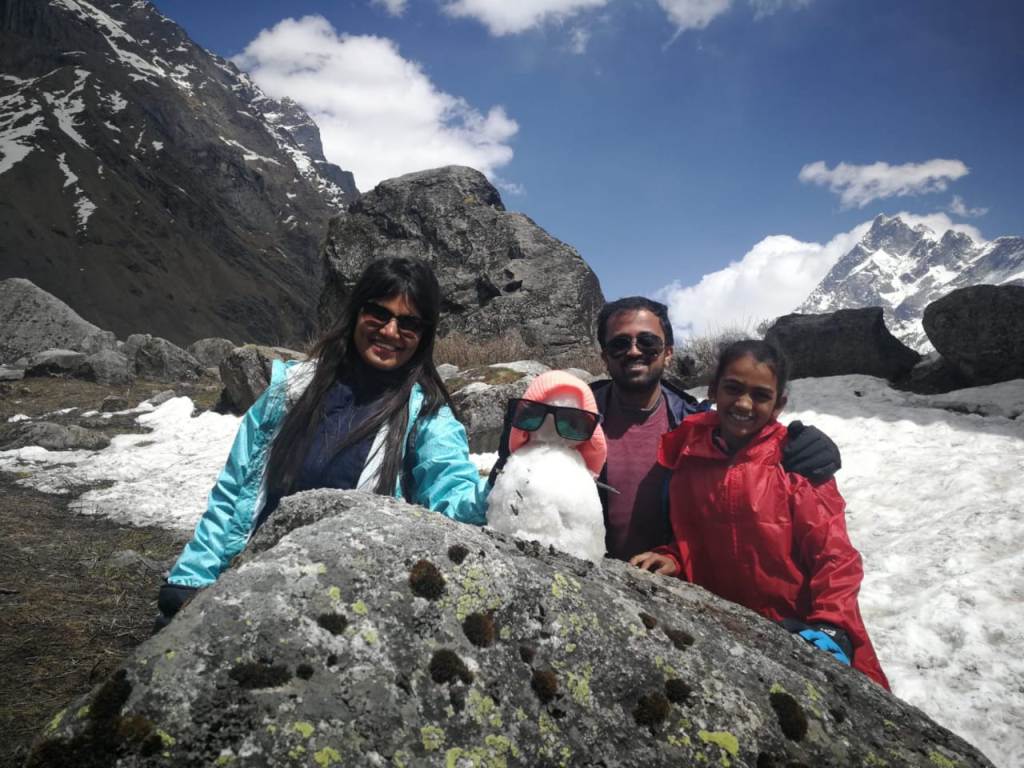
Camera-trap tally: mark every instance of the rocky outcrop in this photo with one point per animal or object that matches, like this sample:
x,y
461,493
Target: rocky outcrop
x,y
499,272
33,320
245,373
361,631
154,358
980,332
51,436
840,343
481,395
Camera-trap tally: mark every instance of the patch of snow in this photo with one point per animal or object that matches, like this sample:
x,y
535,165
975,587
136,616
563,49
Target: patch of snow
x,y
158,145
112,127
84,208
116,101
248,154
20,120
17,417
69,177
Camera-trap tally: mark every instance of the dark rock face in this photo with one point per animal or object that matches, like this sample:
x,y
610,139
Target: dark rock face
x,y
246,373
33,321
499,272
844,342
933,375
361,631
151,185
980,331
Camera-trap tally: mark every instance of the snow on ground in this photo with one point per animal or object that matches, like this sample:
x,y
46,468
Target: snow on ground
x,y
935,505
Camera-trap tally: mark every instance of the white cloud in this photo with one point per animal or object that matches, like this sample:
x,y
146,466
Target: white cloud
x,y
959,207
693,14
764,8
578,40
858,185
509,17
394,7
772,279
379,114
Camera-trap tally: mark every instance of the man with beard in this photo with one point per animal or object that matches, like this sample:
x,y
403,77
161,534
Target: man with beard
x,y
635,336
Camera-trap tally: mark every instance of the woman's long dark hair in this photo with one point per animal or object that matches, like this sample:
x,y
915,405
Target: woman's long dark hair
x,y
336,355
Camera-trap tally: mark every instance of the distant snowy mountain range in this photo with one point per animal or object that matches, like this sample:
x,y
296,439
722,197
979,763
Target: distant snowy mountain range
x,y
149,183
903,269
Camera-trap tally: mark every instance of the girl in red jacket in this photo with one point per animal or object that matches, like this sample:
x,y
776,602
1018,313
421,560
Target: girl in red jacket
x,y
748,531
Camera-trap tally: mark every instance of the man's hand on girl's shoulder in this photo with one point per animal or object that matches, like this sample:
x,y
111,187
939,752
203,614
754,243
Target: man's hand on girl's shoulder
x,y
810,452
652,561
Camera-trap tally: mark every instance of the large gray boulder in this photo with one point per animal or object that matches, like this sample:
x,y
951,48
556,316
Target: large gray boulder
x,y
843,342
158,359
481,395
499,272
51,436
107,367
980,331
359,630
211,352
33,320
245,372
55,362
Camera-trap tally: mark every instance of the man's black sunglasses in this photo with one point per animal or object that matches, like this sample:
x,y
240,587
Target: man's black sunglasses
x,y
570,423
647,344
382,316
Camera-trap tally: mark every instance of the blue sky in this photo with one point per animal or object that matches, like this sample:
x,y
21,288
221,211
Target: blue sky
x,y
665,139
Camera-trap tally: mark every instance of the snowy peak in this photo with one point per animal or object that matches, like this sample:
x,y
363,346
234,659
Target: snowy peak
x,y
903,269
184,201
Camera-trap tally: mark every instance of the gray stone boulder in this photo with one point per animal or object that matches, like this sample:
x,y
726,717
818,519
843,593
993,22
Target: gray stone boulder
x,y
358,630
499,272
55,362
843,342
245,373
11,373
154,358
34,320
980,331
211,352
52,437
481,395
106,367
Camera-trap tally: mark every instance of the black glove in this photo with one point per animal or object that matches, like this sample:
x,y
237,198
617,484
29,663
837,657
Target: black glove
x,y
173,597
811,453
824,637
503,450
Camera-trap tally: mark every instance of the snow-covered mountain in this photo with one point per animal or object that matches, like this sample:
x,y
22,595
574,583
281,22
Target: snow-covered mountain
x,y
149,183
903,269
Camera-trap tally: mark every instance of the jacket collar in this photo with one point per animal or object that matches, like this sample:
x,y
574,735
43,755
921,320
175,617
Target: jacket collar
x,y
694,437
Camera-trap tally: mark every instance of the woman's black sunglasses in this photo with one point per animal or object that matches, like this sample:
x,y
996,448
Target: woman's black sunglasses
x,y
647,344
382,316
570,423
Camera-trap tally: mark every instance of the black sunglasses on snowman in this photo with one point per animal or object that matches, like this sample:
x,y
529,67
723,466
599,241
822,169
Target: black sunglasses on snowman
x,y
570,423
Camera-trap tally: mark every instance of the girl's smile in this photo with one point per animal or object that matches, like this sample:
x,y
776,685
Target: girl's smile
x,y
746,396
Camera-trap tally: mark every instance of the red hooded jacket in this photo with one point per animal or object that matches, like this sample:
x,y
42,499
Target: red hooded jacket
x,y
753,534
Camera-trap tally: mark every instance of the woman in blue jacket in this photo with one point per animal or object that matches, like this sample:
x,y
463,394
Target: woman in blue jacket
x,y
368,411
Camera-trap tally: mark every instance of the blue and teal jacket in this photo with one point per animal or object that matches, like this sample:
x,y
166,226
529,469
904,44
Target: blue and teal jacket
x,y
441,476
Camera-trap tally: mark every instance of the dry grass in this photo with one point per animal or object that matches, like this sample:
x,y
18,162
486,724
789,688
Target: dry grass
x,y
696,357
465,352
68,613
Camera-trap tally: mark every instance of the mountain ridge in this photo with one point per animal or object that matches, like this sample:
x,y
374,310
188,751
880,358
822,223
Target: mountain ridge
x,y
903,269
150,184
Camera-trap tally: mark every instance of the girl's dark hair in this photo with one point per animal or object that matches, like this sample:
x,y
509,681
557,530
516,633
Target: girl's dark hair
x,y
762,352
335,355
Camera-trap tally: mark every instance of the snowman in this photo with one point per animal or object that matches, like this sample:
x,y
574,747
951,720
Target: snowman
x,y
546,490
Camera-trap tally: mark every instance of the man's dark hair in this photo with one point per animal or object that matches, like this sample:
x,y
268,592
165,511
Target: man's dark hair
x,y
633,304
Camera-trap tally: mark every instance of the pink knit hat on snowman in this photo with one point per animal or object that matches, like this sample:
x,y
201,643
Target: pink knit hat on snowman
x,y
550,385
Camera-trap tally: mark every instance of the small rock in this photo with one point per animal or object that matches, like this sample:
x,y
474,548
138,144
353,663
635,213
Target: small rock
x,y
162,397
55,437
112,403
54,362
9,373
447,370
